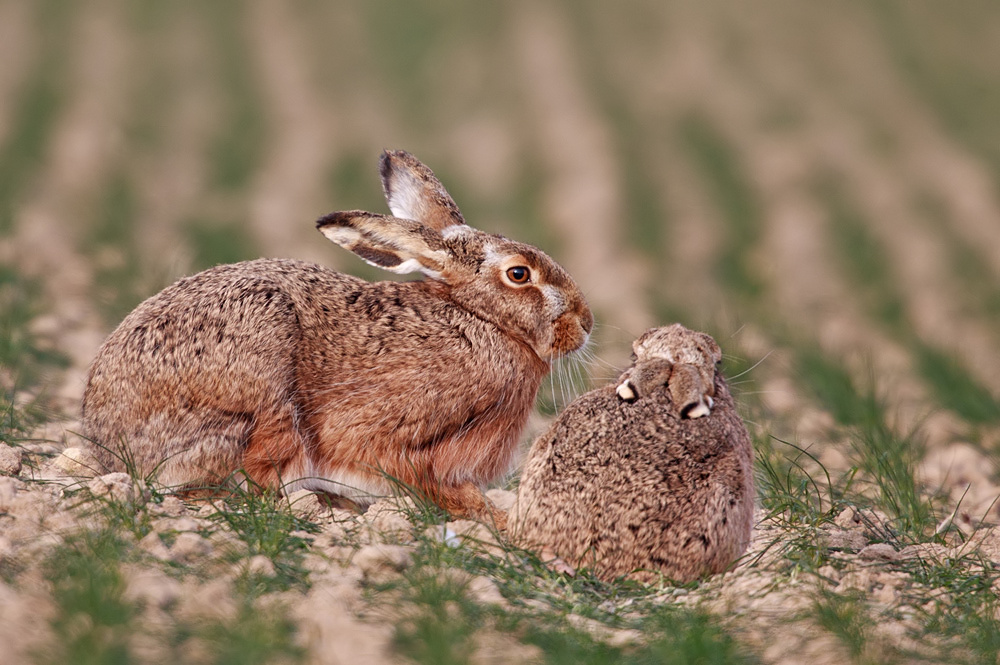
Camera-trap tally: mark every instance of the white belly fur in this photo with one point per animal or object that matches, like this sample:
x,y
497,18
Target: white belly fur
x,y
363,490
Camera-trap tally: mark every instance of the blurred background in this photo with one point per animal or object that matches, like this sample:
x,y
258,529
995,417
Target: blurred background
x,y
816,184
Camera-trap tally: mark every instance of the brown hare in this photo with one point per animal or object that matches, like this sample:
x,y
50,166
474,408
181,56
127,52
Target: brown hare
x,y
302,377
650,477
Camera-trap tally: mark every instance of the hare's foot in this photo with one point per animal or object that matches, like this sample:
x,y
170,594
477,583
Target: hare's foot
x,y
467,501
339,502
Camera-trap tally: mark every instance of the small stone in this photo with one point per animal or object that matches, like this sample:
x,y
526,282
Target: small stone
x,y
314,563
152,587
440,533
502,499
207,510
829,572
75,462
154,546
189,546
305,504
931,552
302,535
879,552
260,565
10,460
886,594
171,506
8,490
184,524
844,540
377,560
472,534
388,522
847,519
873,524
118,486
484,591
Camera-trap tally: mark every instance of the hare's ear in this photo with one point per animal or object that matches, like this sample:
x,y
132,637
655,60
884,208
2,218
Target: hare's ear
x,y
399,245
413,192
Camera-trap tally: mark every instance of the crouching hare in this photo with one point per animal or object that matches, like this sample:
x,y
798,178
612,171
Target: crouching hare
x,y
652,476
301,377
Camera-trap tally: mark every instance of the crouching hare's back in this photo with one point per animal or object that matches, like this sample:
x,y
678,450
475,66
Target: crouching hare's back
x,y
652,476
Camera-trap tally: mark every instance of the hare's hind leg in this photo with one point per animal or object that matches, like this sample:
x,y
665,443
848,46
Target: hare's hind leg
x,y
200,451
275,453
175,449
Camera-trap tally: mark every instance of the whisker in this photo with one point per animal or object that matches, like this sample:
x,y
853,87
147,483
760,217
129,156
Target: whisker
x,y
737,331
754,366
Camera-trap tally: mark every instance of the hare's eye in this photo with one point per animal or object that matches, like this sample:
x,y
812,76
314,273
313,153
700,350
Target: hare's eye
x,y
519,274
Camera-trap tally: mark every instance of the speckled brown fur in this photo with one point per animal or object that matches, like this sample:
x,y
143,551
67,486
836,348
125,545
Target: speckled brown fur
x,y
304,377
633,487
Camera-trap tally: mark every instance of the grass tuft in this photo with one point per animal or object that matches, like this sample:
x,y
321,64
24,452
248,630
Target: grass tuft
x,y
255,636
265,523
888,462
847,618
441,622
798,504
93,620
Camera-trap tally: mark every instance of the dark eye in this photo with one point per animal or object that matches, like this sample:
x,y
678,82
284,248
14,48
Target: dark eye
x,y
519,274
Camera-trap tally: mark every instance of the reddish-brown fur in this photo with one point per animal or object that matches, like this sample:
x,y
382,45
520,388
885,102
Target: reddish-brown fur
x,y
293,373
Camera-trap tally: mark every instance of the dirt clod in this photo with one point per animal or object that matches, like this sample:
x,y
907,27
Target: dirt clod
x,y
10,460
377,562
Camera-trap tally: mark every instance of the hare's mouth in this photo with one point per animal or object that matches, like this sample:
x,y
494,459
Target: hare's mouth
x,y
569,335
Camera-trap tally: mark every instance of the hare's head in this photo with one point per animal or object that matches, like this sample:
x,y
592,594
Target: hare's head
x,y
679,359
678,345
510,284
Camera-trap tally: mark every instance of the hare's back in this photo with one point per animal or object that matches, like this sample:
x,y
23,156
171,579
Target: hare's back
x,y
224,338
626,486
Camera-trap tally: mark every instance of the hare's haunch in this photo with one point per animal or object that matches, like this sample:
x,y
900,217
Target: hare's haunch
x,y
649,477
302,377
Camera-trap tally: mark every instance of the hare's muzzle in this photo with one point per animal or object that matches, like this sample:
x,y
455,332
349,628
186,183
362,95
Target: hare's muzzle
x,y
572,329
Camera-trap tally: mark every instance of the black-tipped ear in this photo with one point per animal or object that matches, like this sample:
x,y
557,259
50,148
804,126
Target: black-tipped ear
x,y
413,192
691,397
399,245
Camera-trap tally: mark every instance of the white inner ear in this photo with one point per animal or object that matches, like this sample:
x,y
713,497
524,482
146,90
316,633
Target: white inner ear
x,y
341,235
625,391
412,265
405,197
703,408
